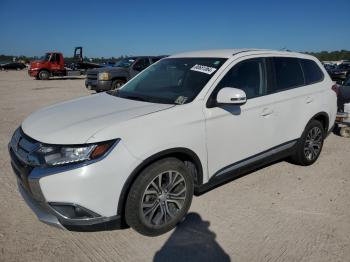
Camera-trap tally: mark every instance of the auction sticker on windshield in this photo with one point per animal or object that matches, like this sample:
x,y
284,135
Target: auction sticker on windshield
x,y
203,69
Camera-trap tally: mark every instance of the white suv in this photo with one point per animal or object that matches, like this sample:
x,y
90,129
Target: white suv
x,y
186,124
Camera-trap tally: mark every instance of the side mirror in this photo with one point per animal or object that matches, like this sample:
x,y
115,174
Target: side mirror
x,y
231,96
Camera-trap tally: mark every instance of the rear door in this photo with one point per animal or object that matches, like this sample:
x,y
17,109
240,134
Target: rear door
x,y
295,94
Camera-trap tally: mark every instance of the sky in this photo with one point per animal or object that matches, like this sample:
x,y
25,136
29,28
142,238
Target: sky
x,y
154,27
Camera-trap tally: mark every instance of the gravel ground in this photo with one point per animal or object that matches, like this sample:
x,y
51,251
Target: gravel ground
x,y
280,213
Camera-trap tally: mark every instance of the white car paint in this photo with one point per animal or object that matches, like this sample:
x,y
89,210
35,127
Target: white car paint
x,y
218,136
75,121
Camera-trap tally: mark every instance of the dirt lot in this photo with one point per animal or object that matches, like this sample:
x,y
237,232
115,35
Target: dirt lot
x,y
280,213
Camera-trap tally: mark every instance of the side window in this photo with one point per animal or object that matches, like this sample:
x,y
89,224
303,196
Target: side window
x,y
288,73
248,75
141,64
57,58
312,72
53,58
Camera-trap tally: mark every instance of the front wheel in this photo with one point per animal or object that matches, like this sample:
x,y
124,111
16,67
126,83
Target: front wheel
x,y
310,144
160,197
44,75
117,84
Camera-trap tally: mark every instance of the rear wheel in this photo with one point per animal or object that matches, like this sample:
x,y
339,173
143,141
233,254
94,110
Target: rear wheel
x,y
160,197
310,144
44,75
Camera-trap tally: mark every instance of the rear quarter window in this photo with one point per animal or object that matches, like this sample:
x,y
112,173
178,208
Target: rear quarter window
x,y
288,73
312,71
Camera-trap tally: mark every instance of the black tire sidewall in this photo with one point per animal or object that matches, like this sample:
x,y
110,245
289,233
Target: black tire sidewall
x,y
43,72
116,82
133,214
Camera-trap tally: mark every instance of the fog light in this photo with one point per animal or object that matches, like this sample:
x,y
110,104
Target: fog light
x,y
72,211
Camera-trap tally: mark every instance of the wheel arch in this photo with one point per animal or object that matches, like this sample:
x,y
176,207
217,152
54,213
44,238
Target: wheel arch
x,y
184,154
45,69
124,78
323,118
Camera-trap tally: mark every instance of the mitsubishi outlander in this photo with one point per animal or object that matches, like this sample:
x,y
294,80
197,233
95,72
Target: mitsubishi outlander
x,y
184,125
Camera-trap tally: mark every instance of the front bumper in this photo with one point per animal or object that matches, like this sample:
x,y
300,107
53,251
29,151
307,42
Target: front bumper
x,y
59,195
98,85
29,188
33,72
48,216
39,209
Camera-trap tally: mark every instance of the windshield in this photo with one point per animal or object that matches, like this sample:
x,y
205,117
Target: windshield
x,y
46,57
172,80
125,63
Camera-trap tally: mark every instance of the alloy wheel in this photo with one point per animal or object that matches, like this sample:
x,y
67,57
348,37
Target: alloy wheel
x,y
313,143
163,198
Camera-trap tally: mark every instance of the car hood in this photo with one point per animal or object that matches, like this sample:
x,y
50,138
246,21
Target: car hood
x,y
75,121
107,69
37,63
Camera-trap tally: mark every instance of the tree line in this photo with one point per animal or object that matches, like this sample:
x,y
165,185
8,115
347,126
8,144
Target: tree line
x,y
99,60
331,56
323,56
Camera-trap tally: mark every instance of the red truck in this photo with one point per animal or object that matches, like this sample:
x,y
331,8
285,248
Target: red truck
x,y
52,64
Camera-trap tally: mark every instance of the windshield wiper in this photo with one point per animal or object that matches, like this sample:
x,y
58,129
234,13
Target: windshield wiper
x,y
134,98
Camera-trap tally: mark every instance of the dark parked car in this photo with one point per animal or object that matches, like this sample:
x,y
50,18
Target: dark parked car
x,y
343,92
12,66
113,77
329,67
340,73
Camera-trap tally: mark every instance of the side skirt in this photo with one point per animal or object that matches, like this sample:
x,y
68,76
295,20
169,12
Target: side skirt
x,y
247,166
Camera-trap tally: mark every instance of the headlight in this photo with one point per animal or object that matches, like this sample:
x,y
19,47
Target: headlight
x,y
55,155
104,76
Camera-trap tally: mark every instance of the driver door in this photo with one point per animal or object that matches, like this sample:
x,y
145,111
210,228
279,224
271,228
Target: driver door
x,y
237,133
55,62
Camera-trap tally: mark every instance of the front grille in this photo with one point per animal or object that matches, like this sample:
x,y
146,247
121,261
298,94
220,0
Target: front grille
x,y
22,161
21,170
91,75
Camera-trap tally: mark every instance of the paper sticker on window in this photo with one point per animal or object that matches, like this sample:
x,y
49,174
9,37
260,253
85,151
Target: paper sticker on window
x,y
203,69
180,100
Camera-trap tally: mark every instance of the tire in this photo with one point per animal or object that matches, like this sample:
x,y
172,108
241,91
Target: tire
x,y
310,144
147,203
117,84
44,75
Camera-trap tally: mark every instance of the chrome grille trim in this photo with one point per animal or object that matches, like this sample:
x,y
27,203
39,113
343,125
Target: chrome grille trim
x,y
92,75
22,146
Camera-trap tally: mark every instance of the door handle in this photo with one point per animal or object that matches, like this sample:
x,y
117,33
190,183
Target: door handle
x,y
309,100
266,112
